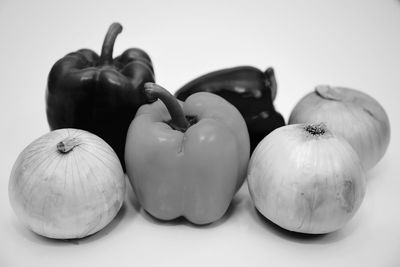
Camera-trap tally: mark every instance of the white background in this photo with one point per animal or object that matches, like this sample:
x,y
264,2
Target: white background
x,y
338,42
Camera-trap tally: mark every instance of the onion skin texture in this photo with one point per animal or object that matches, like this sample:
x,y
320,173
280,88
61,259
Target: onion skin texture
x,y
356,116
70,194
306,183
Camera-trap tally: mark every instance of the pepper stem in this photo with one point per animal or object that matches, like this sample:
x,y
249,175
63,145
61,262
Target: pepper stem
x,y
178,120
108,43
67,145
270,81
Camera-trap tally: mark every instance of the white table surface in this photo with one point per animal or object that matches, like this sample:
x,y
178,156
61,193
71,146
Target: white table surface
x,y
338,42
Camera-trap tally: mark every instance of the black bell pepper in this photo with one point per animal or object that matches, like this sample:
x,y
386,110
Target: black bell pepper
x,y
249,89
100,94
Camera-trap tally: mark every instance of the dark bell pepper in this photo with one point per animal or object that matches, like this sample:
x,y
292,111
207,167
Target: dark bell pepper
x,y
100,94
249,89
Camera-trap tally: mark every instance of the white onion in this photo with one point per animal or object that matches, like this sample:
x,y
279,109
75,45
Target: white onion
x,y
305,179
356,116
68,183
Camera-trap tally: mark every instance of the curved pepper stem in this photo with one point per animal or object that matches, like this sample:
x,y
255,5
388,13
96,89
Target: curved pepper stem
x,y
178,120
108,43
271,81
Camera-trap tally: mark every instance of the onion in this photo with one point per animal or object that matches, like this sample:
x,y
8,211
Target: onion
x,y
305,179
358,117
66,184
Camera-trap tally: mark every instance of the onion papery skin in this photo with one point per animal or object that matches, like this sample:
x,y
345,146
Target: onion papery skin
x,y
356,116
306,183
67,195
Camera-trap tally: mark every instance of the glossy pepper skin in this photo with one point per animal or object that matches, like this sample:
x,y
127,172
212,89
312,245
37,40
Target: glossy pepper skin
x,y
249,89
186,159
100,94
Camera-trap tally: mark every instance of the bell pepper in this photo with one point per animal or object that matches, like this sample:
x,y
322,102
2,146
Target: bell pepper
x,y
100,94
186,159
249,89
